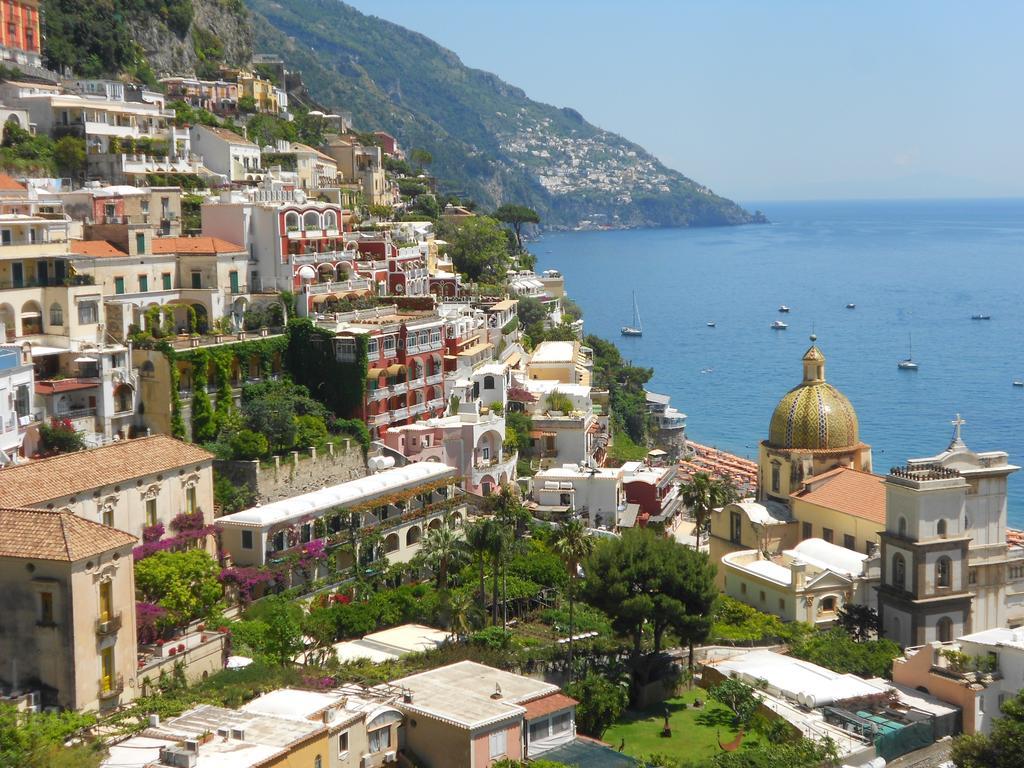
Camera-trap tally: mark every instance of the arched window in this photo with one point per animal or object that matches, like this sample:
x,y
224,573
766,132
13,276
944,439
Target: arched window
x,y
901,527
488,382
943,572
944,630
827,605
311,220
940,528
56,314
899,571
330,220
318,762
291,221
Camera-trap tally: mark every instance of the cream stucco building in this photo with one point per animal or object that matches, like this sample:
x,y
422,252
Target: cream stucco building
x,y
67,595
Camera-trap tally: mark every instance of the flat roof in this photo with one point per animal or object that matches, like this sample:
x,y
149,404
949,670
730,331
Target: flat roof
x,y
341,495
554,352
356,650
461,693
1012,638
410,638
797,679
292,703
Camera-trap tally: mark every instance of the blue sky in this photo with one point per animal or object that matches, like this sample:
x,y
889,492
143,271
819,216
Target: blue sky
x,y
770,99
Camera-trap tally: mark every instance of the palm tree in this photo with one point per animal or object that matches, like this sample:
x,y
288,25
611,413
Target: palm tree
x,y
703,494
574,545
478,543
499,544
462,613
440,549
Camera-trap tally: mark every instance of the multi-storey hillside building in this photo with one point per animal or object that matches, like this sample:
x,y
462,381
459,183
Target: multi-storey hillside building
x,y
206,274
17,380
294,243
217,96
125,140
21,36
361,164
99,206
224,152
81,372
155,377
471,441
405,363
129,485
67,592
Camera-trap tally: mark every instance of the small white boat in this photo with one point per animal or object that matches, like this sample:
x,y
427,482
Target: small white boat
x,y
981,316
783,308
637,328
1018,383
710,323
851,306
907,363
778,325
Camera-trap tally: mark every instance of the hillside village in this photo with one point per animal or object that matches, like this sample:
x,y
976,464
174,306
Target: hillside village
x,y
305,463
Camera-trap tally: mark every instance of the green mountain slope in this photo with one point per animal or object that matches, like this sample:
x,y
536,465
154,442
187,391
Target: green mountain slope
x,y
489,141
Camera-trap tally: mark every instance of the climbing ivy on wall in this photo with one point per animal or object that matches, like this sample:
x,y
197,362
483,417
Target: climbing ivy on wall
x,y
207,420
311,359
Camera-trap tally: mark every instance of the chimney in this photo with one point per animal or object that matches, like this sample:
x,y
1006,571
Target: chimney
x,y
798,569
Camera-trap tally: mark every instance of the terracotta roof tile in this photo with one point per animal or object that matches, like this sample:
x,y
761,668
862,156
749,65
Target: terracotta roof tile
x,y
37,482
64,385
545,705
163,245
849,491
40,534
9,182
96,248
227,135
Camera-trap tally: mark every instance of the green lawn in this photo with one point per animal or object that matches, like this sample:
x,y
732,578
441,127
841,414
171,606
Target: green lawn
x,y
695,732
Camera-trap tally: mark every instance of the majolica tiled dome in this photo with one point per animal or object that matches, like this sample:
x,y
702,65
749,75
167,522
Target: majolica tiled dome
x,y
814,415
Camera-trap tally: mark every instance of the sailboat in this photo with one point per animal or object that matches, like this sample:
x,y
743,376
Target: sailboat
x,y
908,364
637,328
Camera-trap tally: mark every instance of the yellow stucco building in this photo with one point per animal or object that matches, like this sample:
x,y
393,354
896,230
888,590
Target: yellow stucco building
x,y
814,478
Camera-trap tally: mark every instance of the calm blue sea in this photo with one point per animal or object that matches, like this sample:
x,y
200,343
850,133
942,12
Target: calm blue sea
x,y
919,268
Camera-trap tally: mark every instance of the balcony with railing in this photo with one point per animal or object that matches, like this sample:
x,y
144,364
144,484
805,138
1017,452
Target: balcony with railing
x,y
436,403
434,379
339,287
109,687
318,258
108,626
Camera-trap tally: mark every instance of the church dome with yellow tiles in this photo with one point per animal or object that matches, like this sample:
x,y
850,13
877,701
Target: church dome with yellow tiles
x,y
813,416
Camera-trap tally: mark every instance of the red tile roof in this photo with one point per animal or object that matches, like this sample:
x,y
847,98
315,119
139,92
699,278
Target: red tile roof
x,y
64,385
553,702
850,491
9,182
37,482
96,248
163,245
40,534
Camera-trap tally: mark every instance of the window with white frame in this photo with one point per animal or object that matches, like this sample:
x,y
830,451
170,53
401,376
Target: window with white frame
x,y
561,723
538,730
389,345
435,337
372,350
498,744
379,739
345,350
